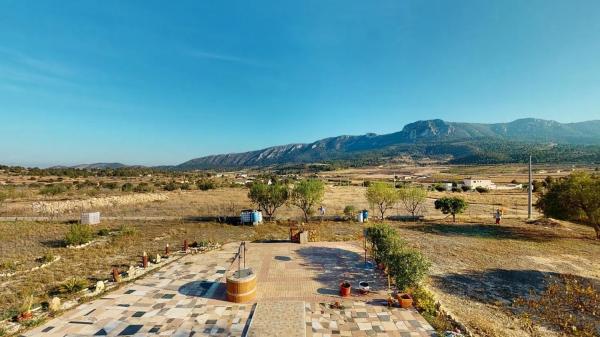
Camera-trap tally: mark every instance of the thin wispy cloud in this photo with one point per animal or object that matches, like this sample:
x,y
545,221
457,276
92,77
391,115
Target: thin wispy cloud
x,y
18,67
225,58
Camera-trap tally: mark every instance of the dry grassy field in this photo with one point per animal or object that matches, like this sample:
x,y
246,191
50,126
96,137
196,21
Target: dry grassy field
x,y
478,268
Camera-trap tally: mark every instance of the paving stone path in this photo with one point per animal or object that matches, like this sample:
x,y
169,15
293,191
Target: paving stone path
x,y
276,319
359,319
296,285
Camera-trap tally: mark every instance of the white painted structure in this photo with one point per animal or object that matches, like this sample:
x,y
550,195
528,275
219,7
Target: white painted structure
x,y
90,218
474,183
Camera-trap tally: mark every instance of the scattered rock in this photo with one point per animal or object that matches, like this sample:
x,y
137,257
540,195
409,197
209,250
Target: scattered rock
x,y
99,287
54,304
157,259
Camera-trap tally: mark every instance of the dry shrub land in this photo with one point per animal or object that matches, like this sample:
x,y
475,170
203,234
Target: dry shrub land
x,y
486,275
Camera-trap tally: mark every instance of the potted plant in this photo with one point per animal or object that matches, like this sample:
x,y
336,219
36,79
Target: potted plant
x,y
26,313
345,289
363,287
405,300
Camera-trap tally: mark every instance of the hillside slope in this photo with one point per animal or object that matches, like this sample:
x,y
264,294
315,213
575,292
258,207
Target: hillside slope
x,y
463,142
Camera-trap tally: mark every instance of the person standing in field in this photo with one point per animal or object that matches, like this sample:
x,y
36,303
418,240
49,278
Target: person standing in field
x,y
498,216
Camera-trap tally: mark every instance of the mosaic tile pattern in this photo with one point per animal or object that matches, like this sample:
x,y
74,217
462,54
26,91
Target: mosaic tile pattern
x,y
359,319
187,298
181,299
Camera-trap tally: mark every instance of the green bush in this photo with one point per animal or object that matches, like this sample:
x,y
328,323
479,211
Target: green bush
x,y
46,258
104,232
127,230
110,185
172,186
54,189
142,188
350,211
385,240
79,234
465,188
206,184
481,189
439,188
73,285
408,267
127,187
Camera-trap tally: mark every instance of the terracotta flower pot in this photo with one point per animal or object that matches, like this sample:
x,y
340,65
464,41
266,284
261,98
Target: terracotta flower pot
x,y
24,316
345,289
405,300
381,266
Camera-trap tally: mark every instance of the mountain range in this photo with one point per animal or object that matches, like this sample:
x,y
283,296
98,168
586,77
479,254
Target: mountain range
x,y
461,143
549,141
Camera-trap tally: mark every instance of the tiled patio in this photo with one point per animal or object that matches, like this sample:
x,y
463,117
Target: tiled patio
x,y
186,298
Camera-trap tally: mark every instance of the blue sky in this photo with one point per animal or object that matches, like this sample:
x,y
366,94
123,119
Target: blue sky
x,y
154,82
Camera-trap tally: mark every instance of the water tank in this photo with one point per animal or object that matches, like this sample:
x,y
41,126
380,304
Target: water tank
x,y
256,217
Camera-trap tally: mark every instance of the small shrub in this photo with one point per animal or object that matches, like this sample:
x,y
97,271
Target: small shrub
x,y
8,266
456,189
127,230
54,189
170,186
127,187
481,189
465,188
350,211
186,186
143,188
31,323
79,234
424,301
439,188
206,184
104,232
27,304
73,285
110,185
46,258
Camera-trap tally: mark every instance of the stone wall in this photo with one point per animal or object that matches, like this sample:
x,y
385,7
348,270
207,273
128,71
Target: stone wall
x,y
68,206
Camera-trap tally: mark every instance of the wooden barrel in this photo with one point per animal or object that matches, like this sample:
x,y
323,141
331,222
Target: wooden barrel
x,y
241,286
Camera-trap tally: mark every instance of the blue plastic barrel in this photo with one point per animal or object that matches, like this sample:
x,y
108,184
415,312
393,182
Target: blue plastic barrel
x,y
255,216
365,214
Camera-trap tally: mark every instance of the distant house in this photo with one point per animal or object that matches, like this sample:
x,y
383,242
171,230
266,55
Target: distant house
x,y
474,183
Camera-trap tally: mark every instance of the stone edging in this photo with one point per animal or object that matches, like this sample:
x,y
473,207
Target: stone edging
x,y
56,258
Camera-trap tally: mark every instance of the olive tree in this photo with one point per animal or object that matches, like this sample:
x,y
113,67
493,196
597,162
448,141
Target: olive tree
x,y
451,205
412,198
306,194
576,197
382,195
268,197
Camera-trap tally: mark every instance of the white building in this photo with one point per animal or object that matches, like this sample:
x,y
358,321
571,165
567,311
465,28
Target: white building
x,y
474,183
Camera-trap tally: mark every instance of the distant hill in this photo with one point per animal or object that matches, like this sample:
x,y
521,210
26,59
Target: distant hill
x,y
94,166
550,141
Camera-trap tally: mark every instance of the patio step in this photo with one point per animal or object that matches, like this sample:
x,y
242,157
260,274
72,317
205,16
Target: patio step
x,y
278,318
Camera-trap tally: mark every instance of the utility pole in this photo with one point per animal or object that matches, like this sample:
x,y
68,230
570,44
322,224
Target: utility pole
x,y
529,191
